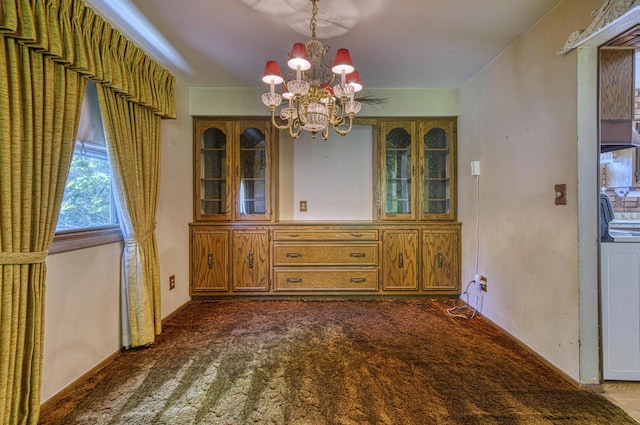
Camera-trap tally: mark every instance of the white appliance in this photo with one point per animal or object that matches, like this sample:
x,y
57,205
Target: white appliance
x,y
620,279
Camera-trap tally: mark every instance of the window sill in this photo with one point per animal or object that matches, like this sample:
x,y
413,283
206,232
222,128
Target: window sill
x,y
69,240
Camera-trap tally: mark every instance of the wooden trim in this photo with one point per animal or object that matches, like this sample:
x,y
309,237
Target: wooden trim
x,y
60,395
174,312
57,397
70,240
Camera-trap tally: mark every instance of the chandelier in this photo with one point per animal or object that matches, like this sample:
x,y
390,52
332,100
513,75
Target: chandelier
x,y
317,95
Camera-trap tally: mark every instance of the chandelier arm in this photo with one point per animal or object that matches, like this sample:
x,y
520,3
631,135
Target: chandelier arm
x,y
339,115
275,124
295,129
345,131
302,112
325,133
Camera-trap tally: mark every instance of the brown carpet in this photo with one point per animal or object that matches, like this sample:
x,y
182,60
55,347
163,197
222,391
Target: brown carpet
x,y
329,362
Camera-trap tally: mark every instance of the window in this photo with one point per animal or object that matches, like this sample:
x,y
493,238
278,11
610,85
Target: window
x,y
88,196
88,215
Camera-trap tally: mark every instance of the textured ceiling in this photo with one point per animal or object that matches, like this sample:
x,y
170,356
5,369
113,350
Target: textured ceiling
x,y
394,44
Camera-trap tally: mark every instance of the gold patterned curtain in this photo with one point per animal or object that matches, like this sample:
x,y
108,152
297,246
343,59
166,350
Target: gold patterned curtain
x,y
40,108
72,33
47,50
133,143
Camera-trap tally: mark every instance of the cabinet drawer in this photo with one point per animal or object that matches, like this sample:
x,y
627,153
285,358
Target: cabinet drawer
x,y
326,255
326,280
325,235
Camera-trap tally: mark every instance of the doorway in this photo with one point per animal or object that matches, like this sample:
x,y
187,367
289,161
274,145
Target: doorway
x,y
619,177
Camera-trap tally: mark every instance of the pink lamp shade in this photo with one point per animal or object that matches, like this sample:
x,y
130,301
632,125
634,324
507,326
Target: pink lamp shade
x,y
299,57
272,73
342,62
354,79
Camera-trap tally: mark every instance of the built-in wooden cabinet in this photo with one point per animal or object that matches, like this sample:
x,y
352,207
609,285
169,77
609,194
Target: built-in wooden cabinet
x,y
239,248
233,170
416,169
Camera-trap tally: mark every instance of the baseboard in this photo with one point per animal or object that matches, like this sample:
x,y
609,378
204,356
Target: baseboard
x,y
54,399
91,372
577,384
174,312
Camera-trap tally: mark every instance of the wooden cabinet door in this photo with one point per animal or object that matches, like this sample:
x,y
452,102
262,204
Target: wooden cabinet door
x,y
437,182
396,171
441,260
212,170
250,260
253,159
209,260
400,260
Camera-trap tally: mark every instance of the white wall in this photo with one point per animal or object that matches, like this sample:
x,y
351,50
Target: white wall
x,y
82,304
335,176
175,207
82,314
519,119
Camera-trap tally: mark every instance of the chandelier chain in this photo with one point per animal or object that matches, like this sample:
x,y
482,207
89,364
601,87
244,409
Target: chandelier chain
x,y
314,14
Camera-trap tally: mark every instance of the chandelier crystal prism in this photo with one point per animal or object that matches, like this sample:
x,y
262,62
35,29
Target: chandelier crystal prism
x,y
317,95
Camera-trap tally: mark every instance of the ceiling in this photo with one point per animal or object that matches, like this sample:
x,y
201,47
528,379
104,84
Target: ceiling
x,y
393,43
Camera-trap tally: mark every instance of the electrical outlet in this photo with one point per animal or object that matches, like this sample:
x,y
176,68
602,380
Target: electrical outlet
x,y
303,206
172,282
483,283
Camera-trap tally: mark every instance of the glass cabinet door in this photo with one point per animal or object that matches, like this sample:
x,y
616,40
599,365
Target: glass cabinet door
x,y
253,172
398,170
437,170
213,165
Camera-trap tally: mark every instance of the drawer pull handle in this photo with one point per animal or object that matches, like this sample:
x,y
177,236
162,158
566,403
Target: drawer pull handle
x,y
357,255
440,260
357,280
400,260
293,235
210,261
356,235
293,255
294,280
250,259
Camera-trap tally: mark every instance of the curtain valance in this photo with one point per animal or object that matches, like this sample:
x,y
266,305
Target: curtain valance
x,y
72,33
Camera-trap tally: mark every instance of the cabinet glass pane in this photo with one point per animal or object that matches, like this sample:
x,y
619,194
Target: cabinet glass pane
x,y
213,163
437,172
253,161
398,172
